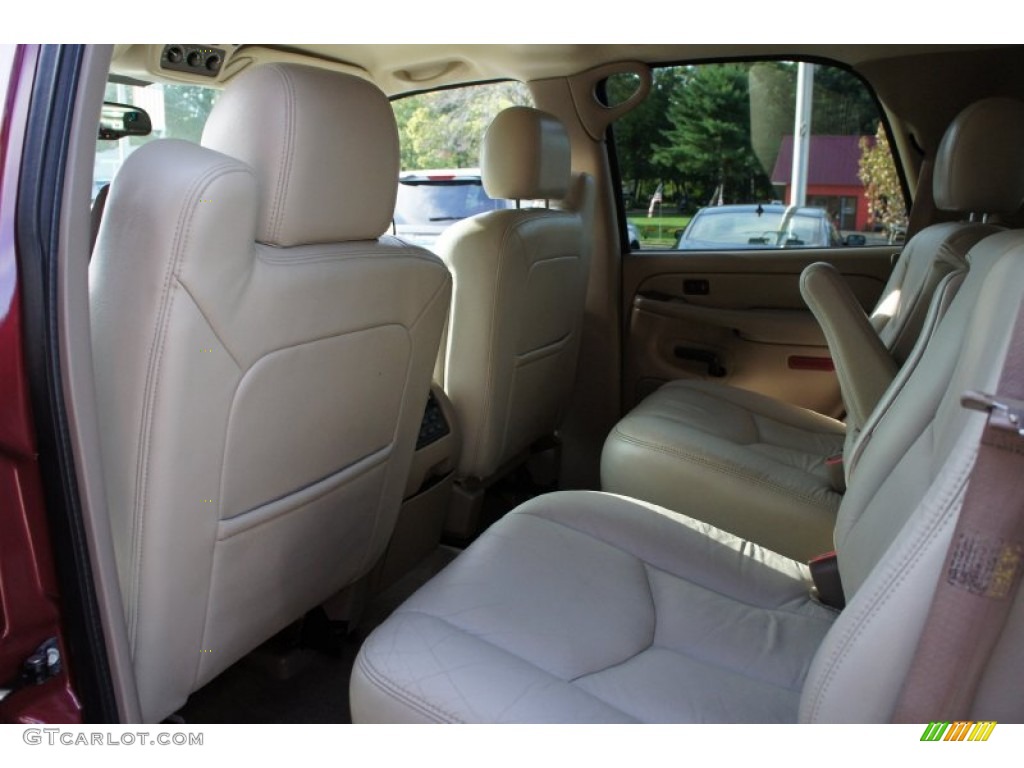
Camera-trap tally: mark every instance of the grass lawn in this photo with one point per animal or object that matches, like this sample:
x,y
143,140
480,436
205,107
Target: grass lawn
x,y
657,231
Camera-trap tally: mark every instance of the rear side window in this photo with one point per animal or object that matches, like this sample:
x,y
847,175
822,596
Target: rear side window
x,y
707,162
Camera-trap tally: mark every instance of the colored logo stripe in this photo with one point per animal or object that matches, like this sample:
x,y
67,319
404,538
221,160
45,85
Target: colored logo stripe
x,y
959,731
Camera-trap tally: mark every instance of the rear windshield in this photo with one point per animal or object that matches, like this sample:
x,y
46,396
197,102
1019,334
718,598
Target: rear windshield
x,y
437,202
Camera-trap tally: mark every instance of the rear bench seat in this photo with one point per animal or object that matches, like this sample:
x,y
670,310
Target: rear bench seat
x,y
589,607
756,466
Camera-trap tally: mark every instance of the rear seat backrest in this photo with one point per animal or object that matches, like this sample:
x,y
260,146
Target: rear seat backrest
x,y
977,172
928,441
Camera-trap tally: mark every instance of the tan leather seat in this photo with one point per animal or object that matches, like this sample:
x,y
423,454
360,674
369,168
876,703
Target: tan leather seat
x,y
756,467
588,607
517,307
263,357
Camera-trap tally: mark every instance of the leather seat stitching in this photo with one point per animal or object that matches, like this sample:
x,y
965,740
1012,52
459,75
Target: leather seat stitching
x,y
485,641
884,592
410,699
182,232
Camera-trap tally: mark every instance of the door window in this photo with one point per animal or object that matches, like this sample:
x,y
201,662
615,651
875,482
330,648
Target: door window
x,y
712,151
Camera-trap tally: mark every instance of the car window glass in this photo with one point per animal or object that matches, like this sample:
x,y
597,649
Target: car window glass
x,y
719,137
176,111
441,201
443,129
440,134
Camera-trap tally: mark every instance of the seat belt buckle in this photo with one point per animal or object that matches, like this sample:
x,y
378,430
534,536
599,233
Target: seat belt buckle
x,y
1004,413
828,587
836,472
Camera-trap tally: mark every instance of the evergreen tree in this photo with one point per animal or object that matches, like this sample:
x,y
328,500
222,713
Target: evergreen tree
x,y
637,133
708,144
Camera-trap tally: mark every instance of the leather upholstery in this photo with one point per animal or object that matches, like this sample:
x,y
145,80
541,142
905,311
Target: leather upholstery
x,y
595,608
748,464
863,364
525,155
898,515
979,167
258,403
586,607
867,351
345,130
520,279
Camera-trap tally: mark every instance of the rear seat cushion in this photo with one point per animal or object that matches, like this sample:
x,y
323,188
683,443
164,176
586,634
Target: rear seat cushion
x,y
743,462
692,625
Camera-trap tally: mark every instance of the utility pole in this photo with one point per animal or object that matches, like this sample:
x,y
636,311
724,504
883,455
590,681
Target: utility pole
x,y
802,133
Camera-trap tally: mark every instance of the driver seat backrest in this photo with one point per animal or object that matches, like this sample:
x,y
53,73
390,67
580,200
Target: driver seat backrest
x,y
520,281
263,357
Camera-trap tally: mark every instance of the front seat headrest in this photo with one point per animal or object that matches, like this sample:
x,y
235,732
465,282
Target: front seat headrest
x,y
323,146
525,156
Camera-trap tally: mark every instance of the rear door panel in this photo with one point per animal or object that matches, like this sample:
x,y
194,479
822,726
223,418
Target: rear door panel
x,y
737,318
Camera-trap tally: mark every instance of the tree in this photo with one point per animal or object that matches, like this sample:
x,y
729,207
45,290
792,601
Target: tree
x,y
886,205
708,144
186,108
637,133
444,129
843,105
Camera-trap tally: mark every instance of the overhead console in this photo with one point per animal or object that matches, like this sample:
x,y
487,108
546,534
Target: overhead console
x,y
207,64
203,60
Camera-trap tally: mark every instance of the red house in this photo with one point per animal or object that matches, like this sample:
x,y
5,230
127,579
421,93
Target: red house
x,y
832,181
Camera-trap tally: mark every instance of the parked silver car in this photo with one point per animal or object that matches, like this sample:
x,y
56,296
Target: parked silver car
x,y
743,227
430,201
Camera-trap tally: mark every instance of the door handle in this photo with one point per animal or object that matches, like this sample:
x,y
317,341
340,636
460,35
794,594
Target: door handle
x,y
715,368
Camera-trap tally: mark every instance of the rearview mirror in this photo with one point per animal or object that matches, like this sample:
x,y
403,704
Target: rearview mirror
x,y
120,120
855,240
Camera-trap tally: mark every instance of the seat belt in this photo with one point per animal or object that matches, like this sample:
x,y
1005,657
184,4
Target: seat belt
x,y
982,570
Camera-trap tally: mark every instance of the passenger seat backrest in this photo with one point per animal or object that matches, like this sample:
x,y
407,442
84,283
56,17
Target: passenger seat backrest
x,y
263,356
520,280
982,143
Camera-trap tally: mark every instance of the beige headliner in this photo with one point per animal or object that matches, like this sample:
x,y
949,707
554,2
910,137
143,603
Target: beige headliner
x,y
401,68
